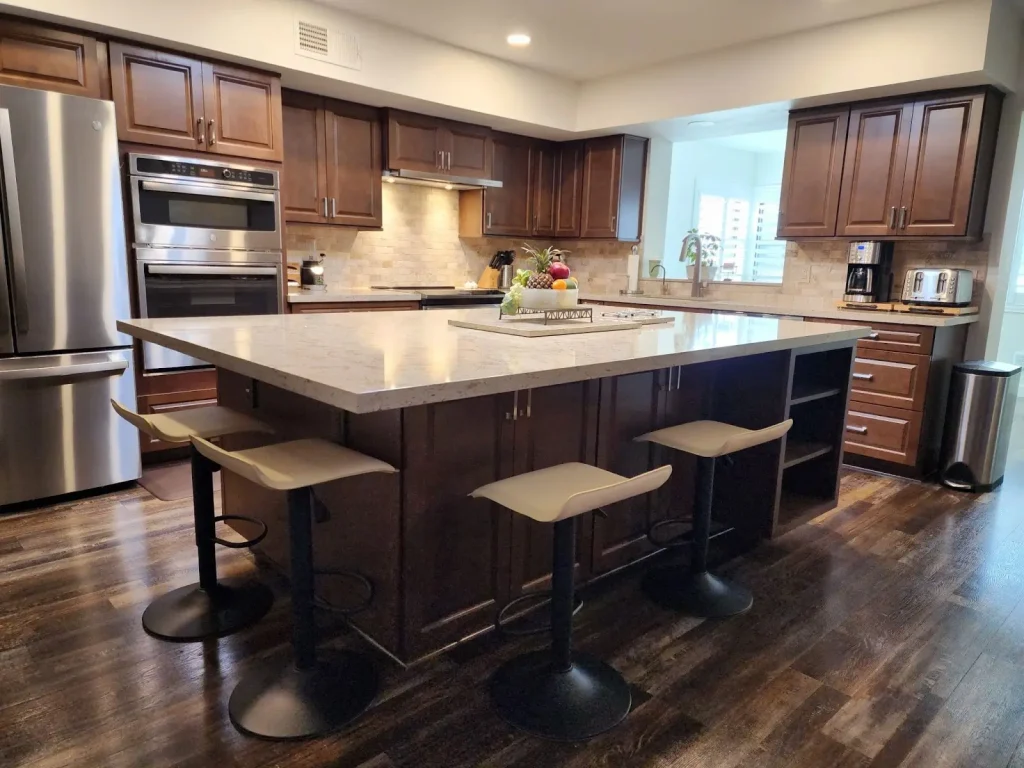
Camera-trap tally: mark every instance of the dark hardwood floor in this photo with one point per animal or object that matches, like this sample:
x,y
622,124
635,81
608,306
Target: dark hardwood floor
x,y
888,632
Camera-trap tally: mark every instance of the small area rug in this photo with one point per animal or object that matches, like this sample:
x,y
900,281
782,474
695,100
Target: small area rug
x,y
168,482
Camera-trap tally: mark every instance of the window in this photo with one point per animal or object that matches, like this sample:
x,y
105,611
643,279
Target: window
x,y
728,219
749,250
769,253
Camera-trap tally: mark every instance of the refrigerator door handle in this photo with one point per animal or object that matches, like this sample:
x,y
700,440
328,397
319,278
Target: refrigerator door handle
x,y
115,364
20,287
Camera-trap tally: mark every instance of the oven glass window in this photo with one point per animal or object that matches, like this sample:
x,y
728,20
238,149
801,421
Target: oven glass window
x,y
209,296
177,209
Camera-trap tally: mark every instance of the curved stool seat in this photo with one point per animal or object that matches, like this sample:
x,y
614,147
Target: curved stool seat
x,y
310,694
558,694
694,589
211,607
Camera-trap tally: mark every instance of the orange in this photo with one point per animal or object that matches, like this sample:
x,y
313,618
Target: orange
x,y
559,285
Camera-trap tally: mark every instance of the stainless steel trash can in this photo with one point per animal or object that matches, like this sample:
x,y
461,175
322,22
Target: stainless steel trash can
x,y
979,415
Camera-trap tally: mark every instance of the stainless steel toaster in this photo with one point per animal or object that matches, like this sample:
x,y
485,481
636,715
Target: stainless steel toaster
x,y
947,287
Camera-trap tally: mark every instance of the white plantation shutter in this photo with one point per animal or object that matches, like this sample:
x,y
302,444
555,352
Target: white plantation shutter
x,y
727,218
769,254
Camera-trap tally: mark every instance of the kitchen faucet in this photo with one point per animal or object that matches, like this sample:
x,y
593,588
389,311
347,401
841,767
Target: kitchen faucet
x,y
664,275
696,290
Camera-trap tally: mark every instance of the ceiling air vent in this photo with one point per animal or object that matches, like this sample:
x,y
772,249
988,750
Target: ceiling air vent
x,y
317,41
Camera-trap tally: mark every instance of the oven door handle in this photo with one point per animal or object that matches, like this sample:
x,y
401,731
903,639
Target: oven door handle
x,y
178,269
207,191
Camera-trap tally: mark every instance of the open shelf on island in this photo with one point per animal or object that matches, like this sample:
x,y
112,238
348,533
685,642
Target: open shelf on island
x,y
807,392
799,451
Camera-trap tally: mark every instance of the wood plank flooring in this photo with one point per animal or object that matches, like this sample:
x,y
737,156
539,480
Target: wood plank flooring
x,y
888,632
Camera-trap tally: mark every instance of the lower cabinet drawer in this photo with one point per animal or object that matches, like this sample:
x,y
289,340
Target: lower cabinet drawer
x,y
892,379
154,404
889,434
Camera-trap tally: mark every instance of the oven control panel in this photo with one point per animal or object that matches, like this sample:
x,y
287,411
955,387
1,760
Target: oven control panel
x,y
185,169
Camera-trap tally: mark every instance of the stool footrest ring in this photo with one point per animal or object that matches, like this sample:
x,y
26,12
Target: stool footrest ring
x,y
501,621
365,581
683,539
241,544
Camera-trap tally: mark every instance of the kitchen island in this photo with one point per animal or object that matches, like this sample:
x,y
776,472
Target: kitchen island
x,y
454,409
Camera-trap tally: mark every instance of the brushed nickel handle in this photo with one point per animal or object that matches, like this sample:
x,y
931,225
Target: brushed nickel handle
x,y
213,133
892,217
200,136
529,403
334,209
873,335
325,207
864,376
440,160
903,218
488,219
449,161
856,430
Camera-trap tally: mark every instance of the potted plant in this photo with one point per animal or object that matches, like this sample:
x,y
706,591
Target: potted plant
x,y
711,246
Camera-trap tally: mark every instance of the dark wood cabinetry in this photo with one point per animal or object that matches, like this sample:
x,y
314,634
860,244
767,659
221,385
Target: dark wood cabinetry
x,y
508,210
893,169
545,189
332,169
178,102
169,392
569,189
34,56
437,146
614,168
812,172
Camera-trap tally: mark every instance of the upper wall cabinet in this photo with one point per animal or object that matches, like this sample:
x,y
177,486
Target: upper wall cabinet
x,y
568,189
182,103
332,162
433,145
614,169
812,172
909,168
33,56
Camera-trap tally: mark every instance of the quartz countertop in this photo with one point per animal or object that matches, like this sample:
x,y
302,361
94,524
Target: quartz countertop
x,y
845,315
372,361
333,295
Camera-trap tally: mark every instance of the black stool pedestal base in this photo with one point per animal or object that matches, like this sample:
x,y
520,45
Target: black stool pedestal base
x,y
190,614
282,702
589,699
701,594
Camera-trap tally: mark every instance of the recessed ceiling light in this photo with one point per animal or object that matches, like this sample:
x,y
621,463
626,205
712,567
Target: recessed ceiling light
x,y
701,123
518,38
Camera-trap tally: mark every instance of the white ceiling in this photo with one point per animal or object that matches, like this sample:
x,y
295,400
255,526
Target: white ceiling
x,y
761,142
587,39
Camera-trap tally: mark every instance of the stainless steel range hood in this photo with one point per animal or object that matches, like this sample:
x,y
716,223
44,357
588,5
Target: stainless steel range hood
x,y
439,180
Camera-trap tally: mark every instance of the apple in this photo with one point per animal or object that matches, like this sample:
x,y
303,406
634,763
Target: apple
x,y
559,270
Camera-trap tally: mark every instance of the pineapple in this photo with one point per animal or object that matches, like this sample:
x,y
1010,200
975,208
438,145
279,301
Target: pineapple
x,y
541,264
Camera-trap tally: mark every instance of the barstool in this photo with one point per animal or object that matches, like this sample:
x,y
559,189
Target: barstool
x,y
557,694
693,589
310,695
212,607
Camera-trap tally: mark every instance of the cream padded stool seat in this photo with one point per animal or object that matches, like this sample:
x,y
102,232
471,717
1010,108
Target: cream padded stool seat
x,y
312,694
694,589
210,608
557,694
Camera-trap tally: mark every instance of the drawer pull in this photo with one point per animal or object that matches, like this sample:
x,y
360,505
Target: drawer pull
x,y
856,430
864,376
873,335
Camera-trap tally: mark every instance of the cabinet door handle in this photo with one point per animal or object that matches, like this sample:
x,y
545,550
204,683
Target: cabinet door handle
x,y
529,403
334,209
856,430
213,134
873,335
892,217
903,218
325,207
440,160
449,161
200,136
488,219
864,376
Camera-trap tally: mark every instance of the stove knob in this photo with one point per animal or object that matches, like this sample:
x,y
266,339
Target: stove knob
x,y
226,173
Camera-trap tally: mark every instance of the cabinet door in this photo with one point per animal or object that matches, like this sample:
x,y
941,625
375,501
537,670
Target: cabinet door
x,y
353,164
812,173
569,189
304,175
507,210
469,150
555,425
876,161
545,189
602,173
243,112
456,569
158,98
940,166
415,142
630,406
38,57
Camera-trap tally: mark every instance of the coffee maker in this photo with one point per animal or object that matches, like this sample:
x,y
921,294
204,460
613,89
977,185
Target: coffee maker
x,y
868,272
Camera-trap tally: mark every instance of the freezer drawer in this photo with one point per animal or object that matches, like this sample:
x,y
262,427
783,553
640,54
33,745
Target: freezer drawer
x,y
58,433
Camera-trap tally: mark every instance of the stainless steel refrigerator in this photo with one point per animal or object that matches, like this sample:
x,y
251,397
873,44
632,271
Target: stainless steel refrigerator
x,y
63,286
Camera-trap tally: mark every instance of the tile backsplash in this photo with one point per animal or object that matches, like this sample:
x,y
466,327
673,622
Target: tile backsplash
x,y
420,245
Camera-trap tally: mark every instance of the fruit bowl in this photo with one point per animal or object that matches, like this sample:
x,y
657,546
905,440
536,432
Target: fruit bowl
x,y
546,298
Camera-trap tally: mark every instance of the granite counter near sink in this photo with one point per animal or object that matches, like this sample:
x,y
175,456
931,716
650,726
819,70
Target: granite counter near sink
x,y
350,295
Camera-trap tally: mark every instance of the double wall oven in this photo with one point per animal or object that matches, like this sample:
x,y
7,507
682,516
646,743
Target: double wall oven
x,y
207,242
